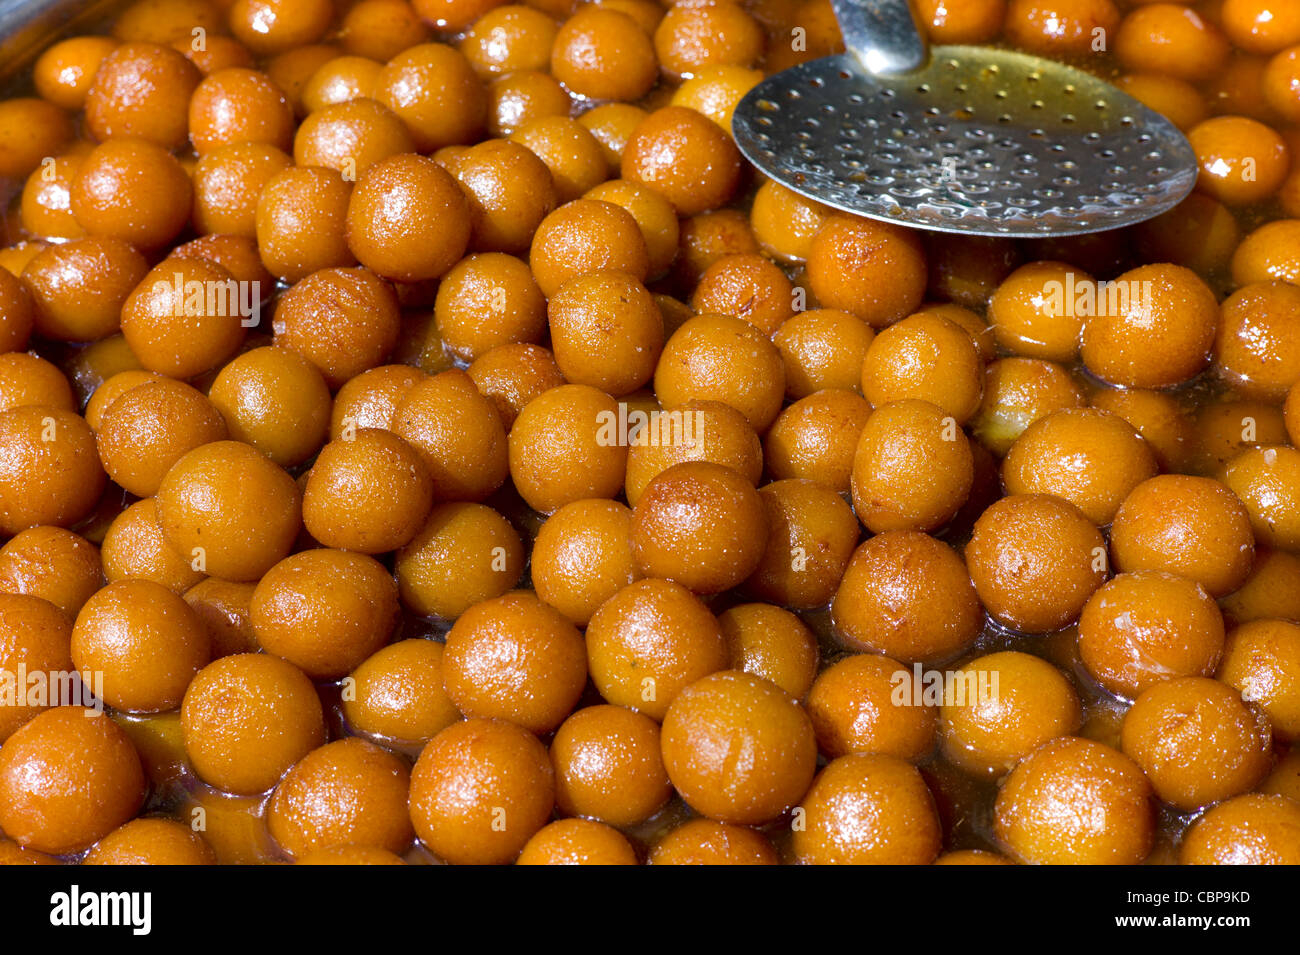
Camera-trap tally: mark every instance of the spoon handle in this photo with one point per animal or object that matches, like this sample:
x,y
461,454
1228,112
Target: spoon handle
x,y
882,34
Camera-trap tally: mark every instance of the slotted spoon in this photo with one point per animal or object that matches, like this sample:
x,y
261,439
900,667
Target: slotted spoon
x,y
967,139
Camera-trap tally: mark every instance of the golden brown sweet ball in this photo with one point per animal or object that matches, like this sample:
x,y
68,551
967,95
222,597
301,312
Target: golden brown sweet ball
x,y
1060,28
349,792
725,359
582,556
1171,40
1154,326
730,711
486,300
63,73
239,105
292,69
613,124
784,222
341,80
273,26
816,438
715,91
148,429
230,510
324,610
709,236
1258,348
509,191
453,16
1167,429
653,214
1267,480
368,493
868,809
650,641
509,38
700,524
145,641
532,108
1185,525
275,400
397,693
14,258
999,708
854,706
465,553
746,286
1253,829
1272,589
560,449
606,331
301,222
17,314
53,564
693,431
577,842
479,791
1269,254
603,54
1089,457
693,36
222,608
151,841
608,766
247,718
1260,26
1280,83
583,236
512,375
1197,741
1242,161
812,535
134,547
925,357
26,379
1141,628
370,399
515,658
343,321
227,183
13,854
113,388
142,91
36,639
68,778
458,434
1224,429
1017,392
380,29
772,643
186,317
1035,560
217,53
685,156
238,255
49,470
822,348
132,190
1262,661
434,90
1075,801
961,21
351,137
1199,233
875,270
44,210
912,468
705,842
1034,311
407,219
908,596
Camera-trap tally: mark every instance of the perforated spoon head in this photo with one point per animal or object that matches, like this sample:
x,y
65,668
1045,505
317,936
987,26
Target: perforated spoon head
x,y
979,140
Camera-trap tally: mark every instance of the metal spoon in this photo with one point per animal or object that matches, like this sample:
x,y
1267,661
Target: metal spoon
x,y
966,139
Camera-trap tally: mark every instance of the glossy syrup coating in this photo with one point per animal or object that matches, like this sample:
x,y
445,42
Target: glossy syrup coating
x,y
1035,560
64,72
1272,589
605,55
357,307
1017,392
480,790
457,433
928,358
703,359
577,842
230,509
697,430
45,207
239,105
132,190
705,842
872,269
1241,160
184,318
816,437
650,641
582,556
324,610
142,90
300,222
488,300
769,642
1141,628
1252,829
370,399
227,182
907,595
746,286
613,124
151,841
608,766
1076,801
585,235
78,287
341,80
348,792
465,553
1257,348
1060,29
731,711
509,190
1159,417
399,694
653,214
1197,741
1006,706
53,564
49,471
1261,660
36,638
686,157
351,137
28,380
514,37
868,810
1267,480
222,607
855,708
1033,315
134,547
275,400
715,91
812,535
822,348
785,222
606,331
912,468
68,777
17,314
1171,41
